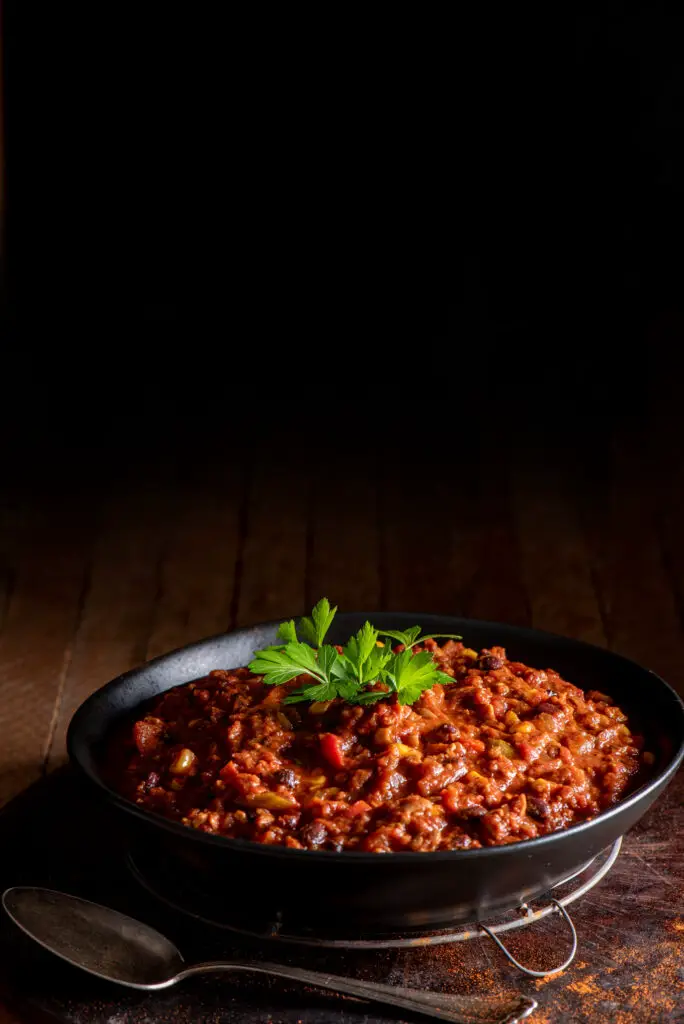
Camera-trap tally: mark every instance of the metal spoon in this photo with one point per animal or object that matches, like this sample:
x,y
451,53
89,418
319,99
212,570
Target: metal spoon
x,y
120,949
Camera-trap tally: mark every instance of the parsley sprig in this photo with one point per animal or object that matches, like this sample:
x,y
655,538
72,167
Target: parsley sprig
x,y
364,660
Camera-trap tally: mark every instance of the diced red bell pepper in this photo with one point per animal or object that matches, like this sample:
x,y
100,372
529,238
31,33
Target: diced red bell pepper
x,y
332,751
359,807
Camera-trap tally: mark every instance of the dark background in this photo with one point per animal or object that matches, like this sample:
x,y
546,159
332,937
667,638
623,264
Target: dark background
x,y
391,231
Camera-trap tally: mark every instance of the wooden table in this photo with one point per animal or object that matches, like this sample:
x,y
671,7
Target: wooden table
x,y
107,560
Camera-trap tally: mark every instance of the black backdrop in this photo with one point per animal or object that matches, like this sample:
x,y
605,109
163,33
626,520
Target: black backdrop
x,y
200,209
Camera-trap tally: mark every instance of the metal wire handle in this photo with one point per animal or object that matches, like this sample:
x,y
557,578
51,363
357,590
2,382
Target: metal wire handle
x,y
527,970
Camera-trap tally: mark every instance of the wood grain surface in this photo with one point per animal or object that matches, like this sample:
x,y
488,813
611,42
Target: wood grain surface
x,y
581,539
581,542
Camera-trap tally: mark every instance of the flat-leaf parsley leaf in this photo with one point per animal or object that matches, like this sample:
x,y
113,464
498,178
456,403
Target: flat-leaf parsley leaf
x,y
364,661
411,637
315,628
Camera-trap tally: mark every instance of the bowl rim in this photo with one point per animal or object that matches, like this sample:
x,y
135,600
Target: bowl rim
x,y
247,846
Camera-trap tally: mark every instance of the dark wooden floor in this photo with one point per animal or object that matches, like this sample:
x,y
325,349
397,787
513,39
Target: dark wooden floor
x,y
122,538
113,554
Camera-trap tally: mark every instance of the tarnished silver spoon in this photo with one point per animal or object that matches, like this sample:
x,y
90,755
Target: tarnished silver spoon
x,y
118,948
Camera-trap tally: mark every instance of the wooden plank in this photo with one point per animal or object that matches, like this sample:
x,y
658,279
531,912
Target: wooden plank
x,y
5,591
5,567
428,561
497,590
272,564
664,443
344,552
449,541
117,616
668,511
48,549
197,571
554,559
638,603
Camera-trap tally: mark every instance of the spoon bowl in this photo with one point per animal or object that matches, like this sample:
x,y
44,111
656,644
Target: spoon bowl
x,y
97,939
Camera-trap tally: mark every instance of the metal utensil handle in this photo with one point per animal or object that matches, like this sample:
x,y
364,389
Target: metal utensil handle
x,y
528,970
440,1006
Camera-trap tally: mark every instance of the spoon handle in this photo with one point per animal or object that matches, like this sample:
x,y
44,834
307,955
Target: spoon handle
x,y
454,1009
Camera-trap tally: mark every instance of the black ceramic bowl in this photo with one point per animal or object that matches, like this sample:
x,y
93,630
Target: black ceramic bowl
x,y
373,894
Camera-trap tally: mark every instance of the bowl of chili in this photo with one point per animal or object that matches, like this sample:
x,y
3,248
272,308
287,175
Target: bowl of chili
x,y
413,802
